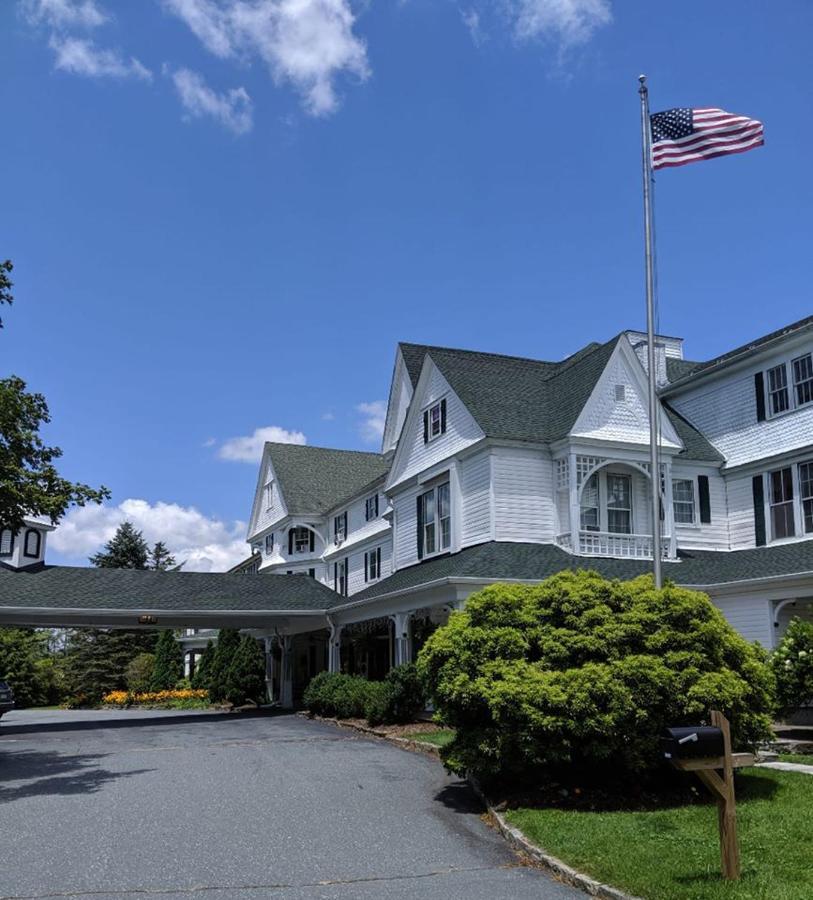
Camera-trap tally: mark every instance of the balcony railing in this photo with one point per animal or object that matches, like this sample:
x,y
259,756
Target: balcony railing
x,y
605,543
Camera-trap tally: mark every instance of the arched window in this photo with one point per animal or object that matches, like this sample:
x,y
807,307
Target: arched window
x,y
31,548
6,542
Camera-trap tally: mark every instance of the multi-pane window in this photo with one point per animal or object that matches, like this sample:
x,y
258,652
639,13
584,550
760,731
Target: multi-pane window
x,y
371,507
781,503
269,544
434,421
302,540
589,505
436,519
31,548
339,528
683,501
778,389
6,542
372,564
340,577
803,379
619,504
806,495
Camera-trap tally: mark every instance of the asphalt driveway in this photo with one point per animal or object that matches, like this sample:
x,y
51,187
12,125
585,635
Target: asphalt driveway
x,y
128,804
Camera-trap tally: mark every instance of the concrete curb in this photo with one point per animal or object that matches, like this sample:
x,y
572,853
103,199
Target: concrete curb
x,y
513,836
561,870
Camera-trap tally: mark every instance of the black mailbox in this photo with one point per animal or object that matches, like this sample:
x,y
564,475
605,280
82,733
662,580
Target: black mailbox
x,y
692,742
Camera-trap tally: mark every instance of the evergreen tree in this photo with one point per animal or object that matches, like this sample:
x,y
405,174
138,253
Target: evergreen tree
x,y
96,660
202,676
138,674
168,668
160,559
6,284
245,676
228,642
127,549
23,664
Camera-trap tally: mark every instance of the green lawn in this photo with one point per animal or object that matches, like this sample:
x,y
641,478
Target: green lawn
x,y
673,854
438,738
804,758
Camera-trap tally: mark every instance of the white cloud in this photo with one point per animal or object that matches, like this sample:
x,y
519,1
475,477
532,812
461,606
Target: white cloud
x,y
328,416
203,543
568,22
471,19
82,57
232,109
249,448
374,416
64,13
307,43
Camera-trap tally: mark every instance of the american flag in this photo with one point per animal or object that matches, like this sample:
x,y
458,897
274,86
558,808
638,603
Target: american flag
x,y
681,136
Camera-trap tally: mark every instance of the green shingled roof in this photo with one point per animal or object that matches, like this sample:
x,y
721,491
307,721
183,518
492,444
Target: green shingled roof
x,y
74,587
315,480
514,398
532,562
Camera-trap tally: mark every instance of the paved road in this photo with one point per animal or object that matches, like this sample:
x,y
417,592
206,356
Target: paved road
x,y
127,804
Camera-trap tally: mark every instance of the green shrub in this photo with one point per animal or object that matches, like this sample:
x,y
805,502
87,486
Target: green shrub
x,y
582,672
340,696
138,674
202,676
228,641
168,668
378,703
792,664
245,676
402,698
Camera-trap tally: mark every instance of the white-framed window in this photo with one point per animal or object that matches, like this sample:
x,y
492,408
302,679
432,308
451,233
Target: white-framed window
x,y
371,508
269,544
372,564
780,483
619,503
778,400
606,503
435,520
269,494
590,519
302,540
434,421
31,547
340,577
806,495
683,501
340,528
6,542
803,379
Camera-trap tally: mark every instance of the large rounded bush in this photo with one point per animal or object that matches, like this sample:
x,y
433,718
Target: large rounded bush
x,y
583,671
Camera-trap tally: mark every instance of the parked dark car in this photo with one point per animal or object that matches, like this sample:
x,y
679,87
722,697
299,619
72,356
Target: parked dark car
x,y
6,698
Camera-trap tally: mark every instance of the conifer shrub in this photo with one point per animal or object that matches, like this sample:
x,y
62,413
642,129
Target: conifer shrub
x,y
168,665
245,676
201,677
583,674
792,664
228,641
139,671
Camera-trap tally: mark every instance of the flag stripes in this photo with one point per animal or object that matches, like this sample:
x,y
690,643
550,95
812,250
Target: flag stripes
x,y
682,136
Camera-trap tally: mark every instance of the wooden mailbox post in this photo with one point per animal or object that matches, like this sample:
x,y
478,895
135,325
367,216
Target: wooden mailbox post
x,y
722,788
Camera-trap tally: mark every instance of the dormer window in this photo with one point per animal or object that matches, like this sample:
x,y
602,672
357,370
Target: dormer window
x,y
784,387
300,540
803,379
778,389
31,546
6,542
371,508
434,421
340,528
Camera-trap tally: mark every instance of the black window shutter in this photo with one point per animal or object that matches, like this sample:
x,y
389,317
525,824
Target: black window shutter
x,y
759,390
377,562
346,575
366,566
344,515
759,510
376,506
290,541
420,527
312,573
311,541
426,426
335,576
705,498
443,416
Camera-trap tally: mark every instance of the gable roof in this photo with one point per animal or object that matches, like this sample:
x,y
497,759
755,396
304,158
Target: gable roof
x,y
515,398
314,480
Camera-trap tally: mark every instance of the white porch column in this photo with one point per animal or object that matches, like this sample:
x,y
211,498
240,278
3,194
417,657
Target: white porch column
x,y
187,664
334,656
403,637
575,506
287,675
268,646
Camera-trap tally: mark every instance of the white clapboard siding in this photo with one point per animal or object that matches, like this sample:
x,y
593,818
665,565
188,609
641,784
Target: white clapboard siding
x,y
357,582
741,533
562,512
523,495
705,535
266,515
475,488
405,536
751,616
725,411
358,528
462,431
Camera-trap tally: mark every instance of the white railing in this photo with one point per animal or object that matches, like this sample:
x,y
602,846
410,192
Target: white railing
x,y
605,543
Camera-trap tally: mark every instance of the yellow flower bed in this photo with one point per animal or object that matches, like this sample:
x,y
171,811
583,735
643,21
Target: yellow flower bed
x,y
125,698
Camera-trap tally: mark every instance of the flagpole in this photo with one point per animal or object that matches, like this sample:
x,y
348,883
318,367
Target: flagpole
x,y
654,468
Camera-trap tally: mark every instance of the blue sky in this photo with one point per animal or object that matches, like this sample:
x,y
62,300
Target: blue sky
x,y
224,215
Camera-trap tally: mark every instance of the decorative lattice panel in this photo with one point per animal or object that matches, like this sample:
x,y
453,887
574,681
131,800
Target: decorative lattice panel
x,y
585,466
562,474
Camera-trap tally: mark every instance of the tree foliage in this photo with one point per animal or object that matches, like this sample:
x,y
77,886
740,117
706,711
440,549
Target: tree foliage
x,y
586,673
792,663
138,674
228,642
96,660
202,676
29,482
26,665
168,666
127,549
159,558
245,674
6,284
